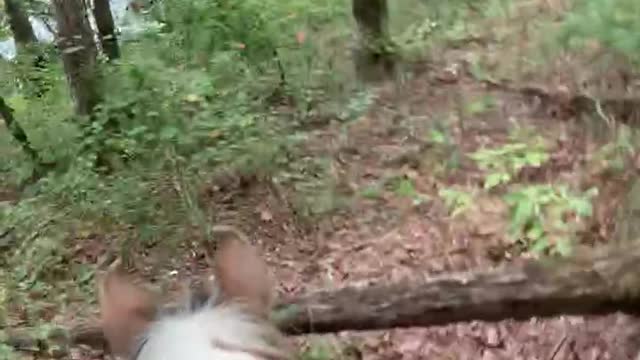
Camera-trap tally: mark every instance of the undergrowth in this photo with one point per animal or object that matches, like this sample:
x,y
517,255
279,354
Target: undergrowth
x,y
234,86
206,86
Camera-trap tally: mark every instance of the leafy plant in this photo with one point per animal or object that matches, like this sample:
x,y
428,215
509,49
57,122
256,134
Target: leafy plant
x,y
546,217
481,105
614,155
503,163
456,201
612,23
444,153
404,187
6,352
317,351
372,192
187,98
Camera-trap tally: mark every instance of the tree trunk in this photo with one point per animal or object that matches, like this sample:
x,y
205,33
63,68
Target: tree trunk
x,y
17,131
78,49
19,23
374,55
106,28
602,282
32,78
40,168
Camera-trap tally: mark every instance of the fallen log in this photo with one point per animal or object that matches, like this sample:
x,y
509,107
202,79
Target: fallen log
x,y
600,282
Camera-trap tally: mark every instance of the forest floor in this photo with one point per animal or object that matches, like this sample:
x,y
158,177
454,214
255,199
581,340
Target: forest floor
x,y
389,167
391,234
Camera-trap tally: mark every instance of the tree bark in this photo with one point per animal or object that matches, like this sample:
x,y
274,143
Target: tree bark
x,y
40,167
33,79
106,28
373,57
602,282
78,49
17,131
21,28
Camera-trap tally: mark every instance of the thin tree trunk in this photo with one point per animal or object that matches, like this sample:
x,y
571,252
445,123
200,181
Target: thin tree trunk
x,y
78,49
17,131
21,28
106,28
24,36
40,168
33,79
374,58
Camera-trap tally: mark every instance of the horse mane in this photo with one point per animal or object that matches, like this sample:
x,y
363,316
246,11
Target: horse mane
x,y
208,327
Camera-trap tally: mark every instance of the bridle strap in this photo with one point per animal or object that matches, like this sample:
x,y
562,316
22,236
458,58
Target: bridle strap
x,y
141,345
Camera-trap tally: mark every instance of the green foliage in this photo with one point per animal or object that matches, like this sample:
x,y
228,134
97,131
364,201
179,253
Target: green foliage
x,y
614,155
503,163
404,187
546,217
372,192
4,299
480,106
318,351
357,106
456,201
6,352
613,23
187,98
444,154
419,26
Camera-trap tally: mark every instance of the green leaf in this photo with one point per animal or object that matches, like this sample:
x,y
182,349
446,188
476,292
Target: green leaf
x,y
18,103
524,211
477,107
563,247
495,179
536,232
169,133
371,192
405,188
540,246
438,137
582,207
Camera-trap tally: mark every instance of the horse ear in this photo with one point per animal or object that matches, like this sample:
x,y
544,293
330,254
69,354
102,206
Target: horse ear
x,y
241,273
126,310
